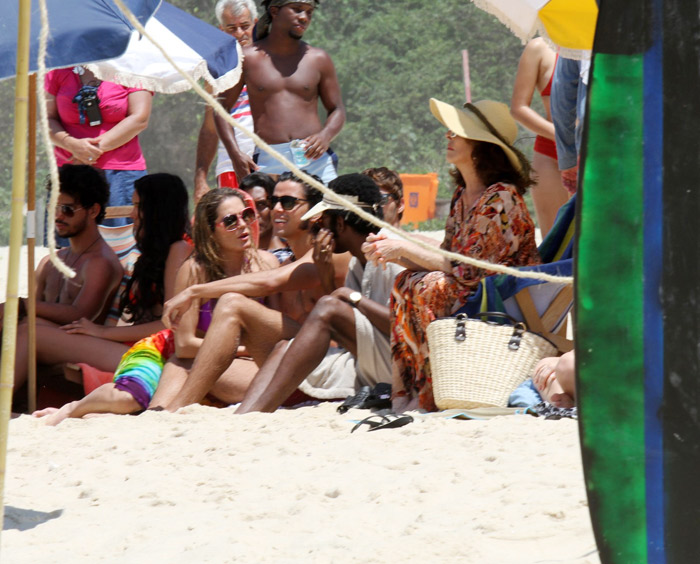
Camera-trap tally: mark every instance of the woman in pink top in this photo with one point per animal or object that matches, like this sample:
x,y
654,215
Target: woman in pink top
x,y
97,123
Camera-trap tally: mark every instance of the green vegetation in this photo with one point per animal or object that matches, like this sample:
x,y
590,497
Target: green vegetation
x,y
390,56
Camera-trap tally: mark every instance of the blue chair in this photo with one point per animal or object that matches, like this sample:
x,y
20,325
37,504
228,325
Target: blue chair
x,y
543,306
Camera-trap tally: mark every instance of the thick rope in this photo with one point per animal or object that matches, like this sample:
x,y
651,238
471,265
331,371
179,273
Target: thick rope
x,y
455,257
44,127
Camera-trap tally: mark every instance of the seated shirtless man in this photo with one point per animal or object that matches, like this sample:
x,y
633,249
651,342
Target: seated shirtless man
x,y
355,315
239,318
59,300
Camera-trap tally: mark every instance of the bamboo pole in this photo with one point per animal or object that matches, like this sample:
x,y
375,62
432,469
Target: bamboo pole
x,y
19,163
31,243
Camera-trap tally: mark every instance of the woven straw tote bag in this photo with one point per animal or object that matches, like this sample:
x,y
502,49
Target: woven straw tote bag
x,y
477,363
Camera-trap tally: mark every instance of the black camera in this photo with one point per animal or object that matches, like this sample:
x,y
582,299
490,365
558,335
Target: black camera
x,y
88,105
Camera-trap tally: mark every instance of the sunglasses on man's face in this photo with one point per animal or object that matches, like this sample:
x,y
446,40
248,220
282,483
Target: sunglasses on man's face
x,y
287,202
233,220
262,205
68,210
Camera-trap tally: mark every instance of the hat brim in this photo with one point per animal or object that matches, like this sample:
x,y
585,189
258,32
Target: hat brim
x,y
465,124
319,208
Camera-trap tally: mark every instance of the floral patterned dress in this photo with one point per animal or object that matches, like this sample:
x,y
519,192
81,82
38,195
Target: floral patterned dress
x,y
498,229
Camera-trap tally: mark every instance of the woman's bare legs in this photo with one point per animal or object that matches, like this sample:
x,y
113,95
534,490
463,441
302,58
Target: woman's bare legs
x,y
231,386
236,320
105,399
171,381
54,345
549,193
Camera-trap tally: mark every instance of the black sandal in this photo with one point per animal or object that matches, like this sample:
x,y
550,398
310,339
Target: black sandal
x,y
388,421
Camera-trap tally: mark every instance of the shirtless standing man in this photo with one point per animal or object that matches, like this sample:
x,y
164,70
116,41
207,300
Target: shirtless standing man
x,y
285,78
237,18
81,206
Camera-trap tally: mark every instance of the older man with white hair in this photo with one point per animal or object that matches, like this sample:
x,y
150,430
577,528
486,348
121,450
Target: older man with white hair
x,y
237,18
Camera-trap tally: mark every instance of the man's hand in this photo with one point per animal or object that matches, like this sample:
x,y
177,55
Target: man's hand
x,y
323,259
176,307
316,145
243,165
545,373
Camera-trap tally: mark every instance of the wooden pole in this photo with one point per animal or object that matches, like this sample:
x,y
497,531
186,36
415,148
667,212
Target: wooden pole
x,y
19,176
31,243
467,79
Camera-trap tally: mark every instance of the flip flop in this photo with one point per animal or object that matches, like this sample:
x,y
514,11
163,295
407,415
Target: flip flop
x,y
388,421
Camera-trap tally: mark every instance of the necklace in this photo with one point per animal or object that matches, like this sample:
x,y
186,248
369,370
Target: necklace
x,y
71,265
84,251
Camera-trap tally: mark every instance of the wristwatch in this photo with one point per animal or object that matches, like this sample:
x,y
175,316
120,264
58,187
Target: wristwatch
x,y
354,298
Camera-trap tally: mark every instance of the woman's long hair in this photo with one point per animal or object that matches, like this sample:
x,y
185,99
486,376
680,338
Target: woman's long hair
x,y
207,253
492,166
163,220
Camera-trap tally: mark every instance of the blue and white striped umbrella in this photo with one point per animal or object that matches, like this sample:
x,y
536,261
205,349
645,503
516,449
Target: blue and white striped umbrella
x,y
80,31
201,50
94,32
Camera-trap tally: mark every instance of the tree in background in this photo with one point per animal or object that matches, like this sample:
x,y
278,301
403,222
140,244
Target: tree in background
x,y
391,56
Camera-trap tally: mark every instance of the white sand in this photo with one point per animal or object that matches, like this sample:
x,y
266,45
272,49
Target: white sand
x,y
39,253
204,485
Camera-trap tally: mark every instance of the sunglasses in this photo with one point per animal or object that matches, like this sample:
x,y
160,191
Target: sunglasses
x,y
68,210
262,205
287,202
231,221
386,198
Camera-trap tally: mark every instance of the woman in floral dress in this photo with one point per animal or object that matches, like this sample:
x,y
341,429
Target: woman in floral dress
x,y
488,221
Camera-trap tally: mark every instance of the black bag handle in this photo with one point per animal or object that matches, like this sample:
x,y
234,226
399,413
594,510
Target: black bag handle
x,y
519,327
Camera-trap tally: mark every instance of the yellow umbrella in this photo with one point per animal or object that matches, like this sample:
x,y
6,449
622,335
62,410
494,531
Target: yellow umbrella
x,y
569,24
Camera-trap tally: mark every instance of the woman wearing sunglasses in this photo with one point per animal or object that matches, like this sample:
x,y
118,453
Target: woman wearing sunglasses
x,y
223,246
161,230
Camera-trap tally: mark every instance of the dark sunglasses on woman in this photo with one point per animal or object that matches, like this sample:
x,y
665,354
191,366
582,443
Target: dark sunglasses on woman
x,y
231,221
68,210
287,202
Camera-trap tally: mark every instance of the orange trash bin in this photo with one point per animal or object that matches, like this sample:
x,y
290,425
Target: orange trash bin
x,y
419,194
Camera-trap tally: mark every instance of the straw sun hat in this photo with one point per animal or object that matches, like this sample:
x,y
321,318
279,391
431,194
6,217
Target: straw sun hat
x,y
485,120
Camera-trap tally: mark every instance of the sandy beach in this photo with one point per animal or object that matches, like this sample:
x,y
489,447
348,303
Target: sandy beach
x,y
205,485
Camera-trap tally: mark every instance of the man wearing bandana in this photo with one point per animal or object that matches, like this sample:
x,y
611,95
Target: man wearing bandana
x,y
285,78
